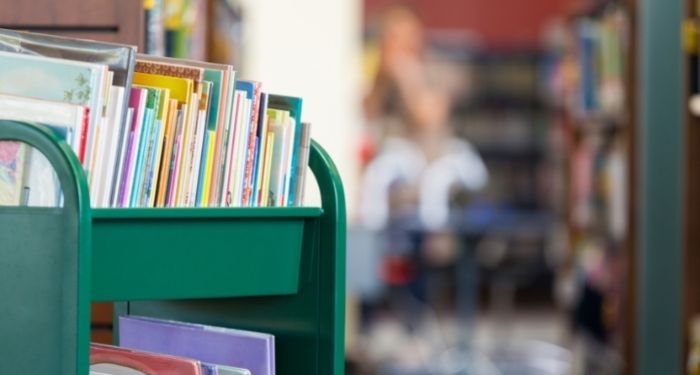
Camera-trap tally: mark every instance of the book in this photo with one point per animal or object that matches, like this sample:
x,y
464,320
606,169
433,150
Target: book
x,y
119,58
39,185
210,369
120,361
244,349
12,156
56,80
293,106
302,164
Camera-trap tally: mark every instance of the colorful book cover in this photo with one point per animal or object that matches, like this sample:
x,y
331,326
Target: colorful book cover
x,y
176,156
114,360
304,152
254,351
168,69
57,80
137,102
210,369
110,155
164,119
40,185
228,103
293,105
145,146
119,58
241,150
259,151
253,90
122,158
269,146
168,142
12,156
199,161
227,177
280,127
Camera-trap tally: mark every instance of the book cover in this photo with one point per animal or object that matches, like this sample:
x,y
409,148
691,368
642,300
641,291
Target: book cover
x,y
259,160
293,105
302,165
145,145
245,349
40,184
137,102
12,156
230,146
210,369
56,80
166,157
119,58
169,69
121,160
114,360
253,90
281,126
228,101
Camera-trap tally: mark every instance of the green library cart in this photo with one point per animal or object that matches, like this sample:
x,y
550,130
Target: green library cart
x,y
274,270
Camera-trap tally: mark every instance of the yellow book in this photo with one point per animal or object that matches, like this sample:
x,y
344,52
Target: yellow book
x,y
163,118
266,172
167,153
181,89
208,170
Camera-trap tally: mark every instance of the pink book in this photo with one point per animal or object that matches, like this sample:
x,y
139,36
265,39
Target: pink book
x,y
114,360
137,101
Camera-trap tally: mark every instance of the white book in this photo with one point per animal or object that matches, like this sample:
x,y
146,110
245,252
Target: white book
x,y
121,157
188,152
197,162
281,131
243,136
226,196
111,151
288,156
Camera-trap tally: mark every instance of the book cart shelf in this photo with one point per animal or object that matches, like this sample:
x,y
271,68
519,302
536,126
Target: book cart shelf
x,y
274,270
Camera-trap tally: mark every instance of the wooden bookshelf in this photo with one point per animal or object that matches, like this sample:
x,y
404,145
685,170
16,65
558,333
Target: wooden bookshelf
x,y
105,20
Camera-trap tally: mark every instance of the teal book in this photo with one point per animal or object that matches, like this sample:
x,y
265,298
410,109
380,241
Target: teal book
x,y
144,145
65,81
293,106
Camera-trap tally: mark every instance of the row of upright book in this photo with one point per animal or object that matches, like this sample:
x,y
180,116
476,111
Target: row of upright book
x,y
586,71
150,346
149,131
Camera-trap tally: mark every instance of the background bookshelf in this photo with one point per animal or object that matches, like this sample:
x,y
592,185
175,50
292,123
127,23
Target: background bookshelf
x,y
691,297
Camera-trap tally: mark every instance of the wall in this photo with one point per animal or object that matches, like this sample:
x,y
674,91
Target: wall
x,y
311,48
496,23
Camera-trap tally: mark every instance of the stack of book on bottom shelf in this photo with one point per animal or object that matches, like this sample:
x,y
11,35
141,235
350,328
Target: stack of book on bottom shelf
x,y
164,347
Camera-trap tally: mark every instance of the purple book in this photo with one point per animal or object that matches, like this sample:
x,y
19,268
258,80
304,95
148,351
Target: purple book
x,y
245,349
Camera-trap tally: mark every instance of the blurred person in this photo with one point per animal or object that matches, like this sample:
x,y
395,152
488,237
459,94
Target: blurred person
x,y
409,182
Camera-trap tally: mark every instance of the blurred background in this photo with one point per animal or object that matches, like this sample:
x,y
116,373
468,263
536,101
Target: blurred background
x,y
484,149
